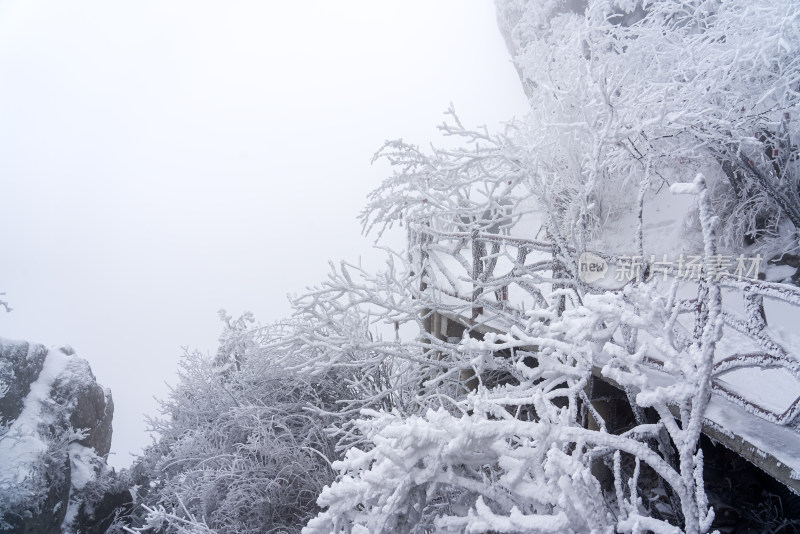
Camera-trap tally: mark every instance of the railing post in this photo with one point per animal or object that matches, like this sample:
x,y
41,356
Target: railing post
x,y
477,271
754,310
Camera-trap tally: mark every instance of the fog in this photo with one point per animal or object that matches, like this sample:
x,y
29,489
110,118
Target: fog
x,y
163,159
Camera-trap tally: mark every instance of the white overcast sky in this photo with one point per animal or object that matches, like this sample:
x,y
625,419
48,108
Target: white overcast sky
x,y
162,159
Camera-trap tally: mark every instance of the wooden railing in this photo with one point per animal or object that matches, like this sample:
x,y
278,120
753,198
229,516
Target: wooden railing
x,y
479,293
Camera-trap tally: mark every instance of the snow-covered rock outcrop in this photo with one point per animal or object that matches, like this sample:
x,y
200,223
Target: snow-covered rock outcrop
x,y
55,431
519,25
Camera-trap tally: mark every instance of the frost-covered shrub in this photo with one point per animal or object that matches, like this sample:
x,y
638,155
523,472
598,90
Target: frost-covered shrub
x,y
240,447
520,457
629,91
462,473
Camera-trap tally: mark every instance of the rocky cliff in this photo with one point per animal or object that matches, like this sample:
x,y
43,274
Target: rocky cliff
x,y
55,432
522,21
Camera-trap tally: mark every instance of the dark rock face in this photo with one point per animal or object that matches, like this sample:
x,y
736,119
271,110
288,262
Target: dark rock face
x,y
54,508
95,517
90,406
20,365
56,434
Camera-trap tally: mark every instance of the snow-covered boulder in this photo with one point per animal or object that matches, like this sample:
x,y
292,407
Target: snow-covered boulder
x,y
55,431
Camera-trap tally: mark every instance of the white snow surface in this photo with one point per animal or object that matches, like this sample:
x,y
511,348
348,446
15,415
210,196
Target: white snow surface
x,y
83,460
779,273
